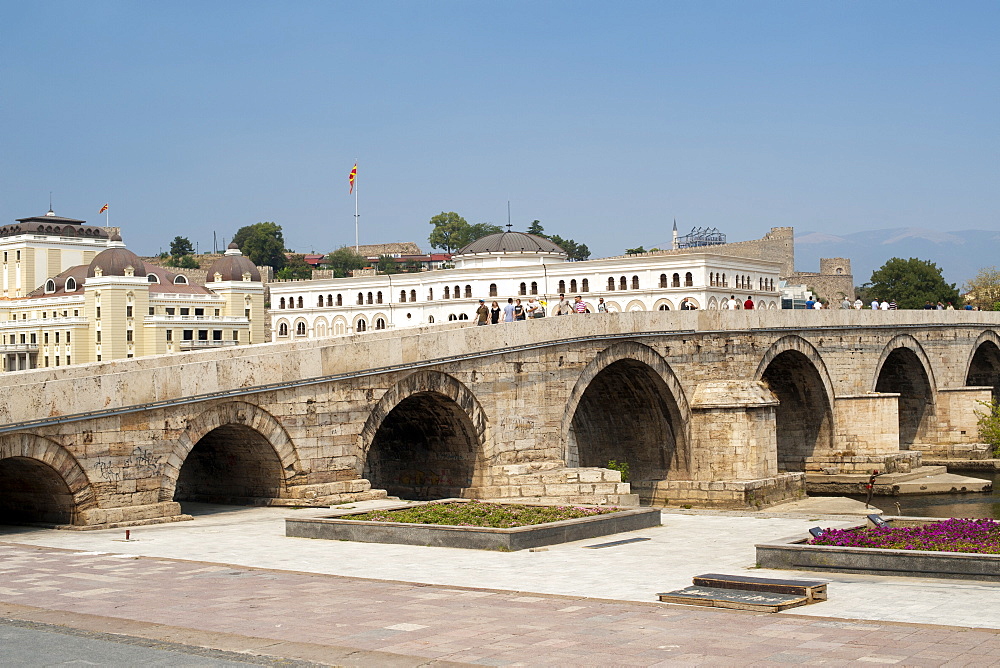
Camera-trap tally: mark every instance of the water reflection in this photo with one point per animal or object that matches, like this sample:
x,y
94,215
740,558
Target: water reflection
x,y
946,505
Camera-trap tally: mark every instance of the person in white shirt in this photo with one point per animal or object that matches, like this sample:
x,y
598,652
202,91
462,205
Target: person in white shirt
x,y
532,308
858,304
818,304
874,304
884,306
731,304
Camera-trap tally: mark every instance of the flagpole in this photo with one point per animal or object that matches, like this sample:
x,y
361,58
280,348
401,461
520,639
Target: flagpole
x,y
356,245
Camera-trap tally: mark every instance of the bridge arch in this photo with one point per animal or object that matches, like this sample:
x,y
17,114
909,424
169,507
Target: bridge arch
x,y
233,452
41,482
627,405
424,439
983,366
795,372
904,368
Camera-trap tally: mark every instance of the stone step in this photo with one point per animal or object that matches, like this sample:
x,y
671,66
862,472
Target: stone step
x,y
922,480
814,590
734,599
945,483
965,464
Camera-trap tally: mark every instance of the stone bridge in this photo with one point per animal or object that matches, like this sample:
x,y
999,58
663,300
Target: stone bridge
x,y
725,409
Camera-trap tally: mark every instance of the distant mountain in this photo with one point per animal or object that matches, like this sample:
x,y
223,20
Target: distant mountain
x,y
959,254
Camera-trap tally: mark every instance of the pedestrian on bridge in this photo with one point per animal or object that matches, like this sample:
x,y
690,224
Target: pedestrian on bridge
x,y
508,310
482,313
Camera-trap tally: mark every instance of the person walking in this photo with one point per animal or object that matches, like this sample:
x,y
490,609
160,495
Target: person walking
x,y
494,313
688,305
875,305
731,303
508,310
579,306
518,310
531,310
858,304
563,307
482,314
748,304
601,306
846,304
892,305
883,306
810,303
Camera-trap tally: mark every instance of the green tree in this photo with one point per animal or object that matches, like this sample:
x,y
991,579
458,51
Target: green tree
x,y
296,268
635,251
984,290
181,246
344,260
387,264
911,283
536,229
450,231
182,261
573,250
480,230
263,243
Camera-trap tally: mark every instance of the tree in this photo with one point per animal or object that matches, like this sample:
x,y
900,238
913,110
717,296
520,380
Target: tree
x,y
182,261
984,290
387,264
181,246
343,261
452,232
573,250
296,269
635,251
911,283
263,243
536,228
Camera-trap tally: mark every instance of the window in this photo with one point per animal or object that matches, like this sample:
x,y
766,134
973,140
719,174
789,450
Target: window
x,y
446,292
67,337
430,319
611,283
361,298
585,285
320,301
185,310
370,298
300,302
152,278
171,310
68,360
664,307
379,323
361,326
97,334
457,293
402,296
170,335
463,316
635,282
413,295
188,334
688,280
128,311
76,312
534,288
468,291
33,339
98,312
152,311
128,335
452,316
236,335
675,281
493,289
329,300
203,335
430,294
281,304
622,283
22,338
378,297
180,280
663,280
283,329
523,289
724,281
340,301
216,313
562,287
45,338
50,286
572,285
300,329
216,334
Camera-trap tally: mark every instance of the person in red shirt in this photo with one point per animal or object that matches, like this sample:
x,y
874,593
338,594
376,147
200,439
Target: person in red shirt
x,y
748,304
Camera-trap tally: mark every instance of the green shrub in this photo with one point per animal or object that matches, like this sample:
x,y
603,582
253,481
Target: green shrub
x,y
989,425
621,467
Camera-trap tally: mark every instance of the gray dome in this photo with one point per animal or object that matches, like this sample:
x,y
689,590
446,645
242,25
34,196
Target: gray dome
x,y
511,242
113,262
232,266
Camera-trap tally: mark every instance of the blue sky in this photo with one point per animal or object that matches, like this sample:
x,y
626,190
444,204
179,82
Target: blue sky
x,y
603,120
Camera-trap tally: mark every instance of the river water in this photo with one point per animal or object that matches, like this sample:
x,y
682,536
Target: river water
x,y
980,505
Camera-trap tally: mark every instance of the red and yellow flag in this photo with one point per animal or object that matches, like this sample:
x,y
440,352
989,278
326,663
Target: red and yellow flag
x,y
103,209
350,179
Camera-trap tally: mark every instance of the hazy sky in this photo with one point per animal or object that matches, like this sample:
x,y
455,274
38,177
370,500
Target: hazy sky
x,y
605,120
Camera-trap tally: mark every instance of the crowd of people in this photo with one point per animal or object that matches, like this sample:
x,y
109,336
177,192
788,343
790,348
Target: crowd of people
x,y
515,310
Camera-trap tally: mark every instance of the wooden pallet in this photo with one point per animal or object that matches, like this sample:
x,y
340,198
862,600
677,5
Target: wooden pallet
x,y
747,593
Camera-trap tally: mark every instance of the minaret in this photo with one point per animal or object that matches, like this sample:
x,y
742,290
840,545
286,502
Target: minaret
x,y
675,235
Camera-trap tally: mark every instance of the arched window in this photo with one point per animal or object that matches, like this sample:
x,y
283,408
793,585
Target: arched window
x,y
180,280
562,287
534,288
378,297
457,293
447,292
664,307
523,290
361,298
430,319
283,329
379,323
635,282
676,278
430,294
300,302
611,283
340,300
281,304
71,284
572,285
622,283
468,291
300,329
329,300
50,286
152,278
663,280
463,316
402,295
493,289
688,280
360,325
370,299
452,316
724,281
413,295
320,301
585,285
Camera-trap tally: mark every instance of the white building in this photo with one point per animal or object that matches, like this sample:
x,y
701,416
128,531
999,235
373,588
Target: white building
x,y
518,265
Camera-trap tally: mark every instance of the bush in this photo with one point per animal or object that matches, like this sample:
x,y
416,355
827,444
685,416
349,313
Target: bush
x,y
989,425
621,467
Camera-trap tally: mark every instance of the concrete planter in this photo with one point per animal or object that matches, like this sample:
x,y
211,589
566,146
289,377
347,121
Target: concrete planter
x,y
794,554
333,527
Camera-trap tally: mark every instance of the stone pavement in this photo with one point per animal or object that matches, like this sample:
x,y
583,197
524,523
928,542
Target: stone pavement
x,y
231,580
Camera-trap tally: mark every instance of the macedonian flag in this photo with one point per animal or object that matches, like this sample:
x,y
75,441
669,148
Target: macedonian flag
x,y
350,179
103,209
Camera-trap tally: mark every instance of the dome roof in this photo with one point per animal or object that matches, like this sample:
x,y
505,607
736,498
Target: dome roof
x,y
113,262
511,242
232,266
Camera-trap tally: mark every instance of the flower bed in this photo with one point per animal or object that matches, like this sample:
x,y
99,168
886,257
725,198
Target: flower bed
x,y
480,514
504,527
955,535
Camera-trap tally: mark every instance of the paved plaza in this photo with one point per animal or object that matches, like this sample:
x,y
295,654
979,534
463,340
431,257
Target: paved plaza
x,y
230,580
